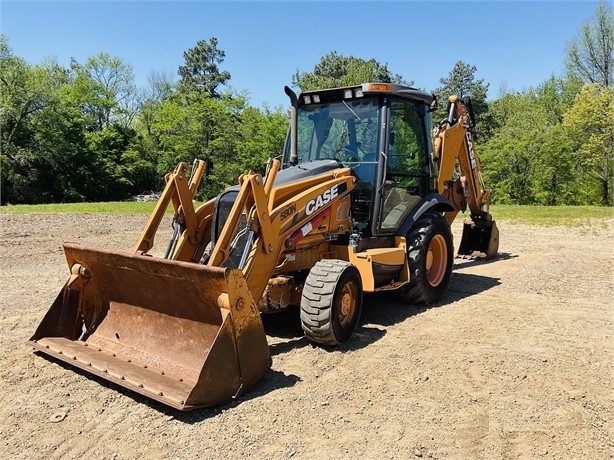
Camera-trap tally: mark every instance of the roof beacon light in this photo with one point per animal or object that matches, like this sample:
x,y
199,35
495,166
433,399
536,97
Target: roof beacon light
x,y
382,87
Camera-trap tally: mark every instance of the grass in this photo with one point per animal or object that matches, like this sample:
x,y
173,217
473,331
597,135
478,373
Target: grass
x,y
569,216
534,215
120,207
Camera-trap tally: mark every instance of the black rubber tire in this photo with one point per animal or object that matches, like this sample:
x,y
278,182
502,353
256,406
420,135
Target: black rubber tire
x,y
430,232
331,287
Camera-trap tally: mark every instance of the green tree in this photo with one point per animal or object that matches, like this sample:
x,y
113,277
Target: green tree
x,y
161,87
262,136
105,89
197,127
555,177
27,94
589,124
556,95
529,159
461,81
226,131
139,167
17,104
335,70
104,95
201,70
62,169
591,54
111,182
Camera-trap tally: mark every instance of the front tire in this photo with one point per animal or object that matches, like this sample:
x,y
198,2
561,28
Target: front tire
x,y
331,304
430,258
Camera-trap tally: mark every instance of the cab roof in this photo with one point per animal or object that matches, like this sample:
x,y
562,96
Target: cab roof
x,y
363,89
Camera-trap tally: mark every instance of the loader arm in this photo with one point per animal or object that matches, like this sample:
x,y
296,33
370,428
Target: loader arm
x,y
181,186
274,216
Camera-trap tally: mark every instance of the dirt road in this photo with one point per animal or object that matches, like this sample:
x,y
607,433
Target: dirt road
x,y
516,362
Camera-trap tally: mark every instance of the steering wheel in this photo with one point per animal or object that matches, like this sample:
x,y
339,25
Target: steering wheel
x,y
346,155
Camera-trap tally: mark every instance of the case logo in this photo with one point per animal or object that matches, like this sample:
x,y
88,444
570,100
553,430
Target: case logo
x,y
322,199
470,148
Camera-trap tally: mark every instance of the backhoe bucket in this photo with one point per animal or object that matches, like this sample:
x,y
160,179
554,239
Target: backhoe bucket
x,y
184,334
480,239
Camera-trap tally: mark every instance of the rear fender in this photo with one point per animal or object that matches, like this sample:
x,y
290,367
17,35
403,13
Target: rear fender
x,y
433,201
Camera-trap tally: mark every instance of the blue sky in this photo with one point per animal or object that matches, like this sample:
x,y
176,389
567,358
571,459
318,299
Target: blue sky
x,y
519,44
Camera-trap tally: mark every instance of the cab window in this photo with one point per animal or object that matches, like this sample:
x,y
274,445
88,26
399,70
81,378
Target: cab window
x,y
407,167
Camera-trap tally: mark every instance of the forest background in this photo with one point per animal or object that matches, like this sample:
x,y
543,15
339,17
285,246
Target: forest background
x,y
86,133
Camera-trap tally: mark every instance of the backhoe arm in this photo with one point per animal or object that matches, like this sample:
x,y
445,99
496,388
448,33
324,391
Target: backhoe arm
x,y
454,147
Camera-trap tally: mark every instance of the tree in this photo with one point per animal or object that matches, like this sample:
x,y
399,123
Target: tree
x,y
161,85
529,159
106,91
161,88
461,81
226,131
24,90
555,178
262,135
335,70
17,104
62,168
200,71
589,124
27,93
591,54
556,95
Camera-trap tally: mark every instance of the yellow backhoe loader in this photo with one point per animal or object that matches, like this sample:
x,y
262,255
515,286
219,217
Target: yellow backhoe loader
x,y
361,201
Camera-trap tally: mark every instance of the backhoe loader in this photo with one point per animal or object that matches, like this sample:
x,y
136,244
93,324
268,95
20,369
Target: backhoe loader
x,y
360,201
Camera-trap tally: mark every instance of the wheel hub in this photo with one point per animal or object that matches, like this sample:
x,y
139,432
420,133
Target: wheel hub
x,y
436,260
347,304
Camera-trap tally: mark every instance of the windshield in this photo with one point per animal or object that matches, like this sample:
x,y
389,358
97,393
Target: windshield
x,y
345,130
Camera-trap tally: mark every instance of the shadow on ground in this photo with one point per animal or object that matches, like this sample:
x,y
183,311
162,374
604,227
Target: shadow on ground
x,y
379,309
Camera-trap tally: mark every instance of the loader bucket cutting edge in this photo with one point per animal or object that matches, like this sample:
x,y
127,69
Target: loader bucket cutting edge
x,y
184,334
480,239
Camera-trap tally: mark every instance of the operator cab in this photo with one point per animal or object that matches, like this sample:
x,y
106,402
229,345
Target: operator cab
x,y
382,132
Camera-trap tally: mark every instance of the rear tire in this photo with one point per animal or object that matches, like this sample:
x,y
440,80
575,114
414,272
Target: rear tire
x,y
430,258
331,304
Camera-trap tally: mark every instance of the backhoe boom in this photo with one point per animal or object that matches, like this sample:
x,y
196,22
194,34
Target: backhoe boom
x,y
455,147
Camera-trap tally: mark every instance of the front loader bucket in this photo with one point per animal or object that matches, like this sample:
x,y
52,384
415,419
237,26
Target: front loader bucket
x,y
184,334
480,239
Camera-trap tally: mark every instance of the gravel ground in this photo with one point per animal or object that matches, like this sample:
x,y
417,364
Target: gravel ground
x,y
516,362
